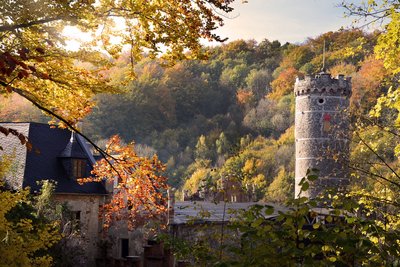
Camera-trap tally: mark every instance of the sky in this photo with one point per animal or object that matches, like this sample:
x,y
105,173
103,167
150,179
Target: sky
x,y
284,20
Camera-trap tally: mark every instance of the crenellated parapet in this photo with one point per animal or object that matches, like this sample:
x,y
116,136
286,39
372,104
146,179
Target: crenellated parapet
x,y
323,84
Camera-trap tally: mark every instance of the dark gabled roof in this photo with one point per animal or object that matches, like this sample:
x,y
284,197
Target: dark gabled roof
x,y
43,162
73,149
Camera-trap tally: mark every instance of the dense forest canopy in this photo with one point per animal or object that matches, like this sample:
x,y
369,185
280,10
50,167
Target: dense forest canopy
x,y
36,64
231,115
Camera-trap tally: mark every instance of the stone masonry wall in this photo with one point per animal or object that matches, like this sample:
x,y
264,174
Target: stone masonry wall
x,y
322,131
12,147
90,224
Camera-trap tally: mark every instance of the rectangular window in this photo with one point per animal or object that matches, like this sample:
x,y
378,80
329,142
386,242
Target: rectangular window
x,y
76,220
77,215
78,168
124,247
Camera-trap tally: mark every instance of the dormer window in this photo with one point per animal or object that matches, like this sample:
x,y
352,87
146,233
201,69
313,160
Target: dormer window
x,y
74,159
78,168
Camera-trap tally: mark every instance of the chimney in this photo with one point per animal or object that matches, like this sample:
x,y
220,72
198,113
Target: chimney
x,y
171,205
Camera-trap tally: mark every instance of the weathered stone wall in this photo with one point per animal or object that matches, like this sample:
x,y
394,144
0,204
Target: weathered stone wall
x,y
90,224
322,131
12,147
120,231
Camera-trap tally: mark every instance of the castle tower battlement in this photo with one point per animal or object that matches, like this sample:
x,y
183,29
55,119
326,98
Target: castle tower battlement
x,y
322,131
323,83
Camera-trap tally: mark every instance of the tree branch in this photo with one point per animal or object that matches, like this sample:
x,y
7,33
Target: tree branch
x,y
4,28
378,156
382,127
32,99
378,199
375,175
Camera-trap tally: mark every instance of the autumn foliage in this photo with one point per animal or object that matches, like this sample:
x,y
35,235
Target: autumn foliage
x,y
25,236
244,96
36,64
284,84
139,188
367,83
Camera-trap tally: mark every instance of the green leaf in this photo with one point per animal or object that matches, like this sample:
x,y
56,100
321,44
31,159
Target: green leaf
x,y
332,259
316,225
305,186
326,248
313,203
257,222
269,210
312,177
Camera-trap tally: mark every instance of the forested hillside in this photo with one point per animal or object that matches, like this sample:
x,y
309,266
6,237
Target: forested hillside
x,y
228,117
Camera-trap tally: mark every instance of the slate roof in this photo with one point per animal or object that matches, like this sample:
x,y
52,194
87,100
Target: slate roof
x,y
43,162
73,149
210,212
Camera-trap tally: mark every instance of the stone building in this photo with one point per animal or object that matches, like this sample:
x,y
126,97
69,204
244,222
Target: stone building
x,y
203,222
322,131
62,157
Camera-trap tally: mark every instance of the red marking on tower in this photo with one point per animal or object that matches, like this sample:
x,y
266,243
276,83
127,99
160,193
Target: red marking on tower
x,y
327,117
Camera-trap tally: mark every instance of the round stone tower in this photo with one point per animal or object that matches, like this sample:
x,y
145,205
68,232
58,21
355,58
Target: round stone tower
x,y
322,131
